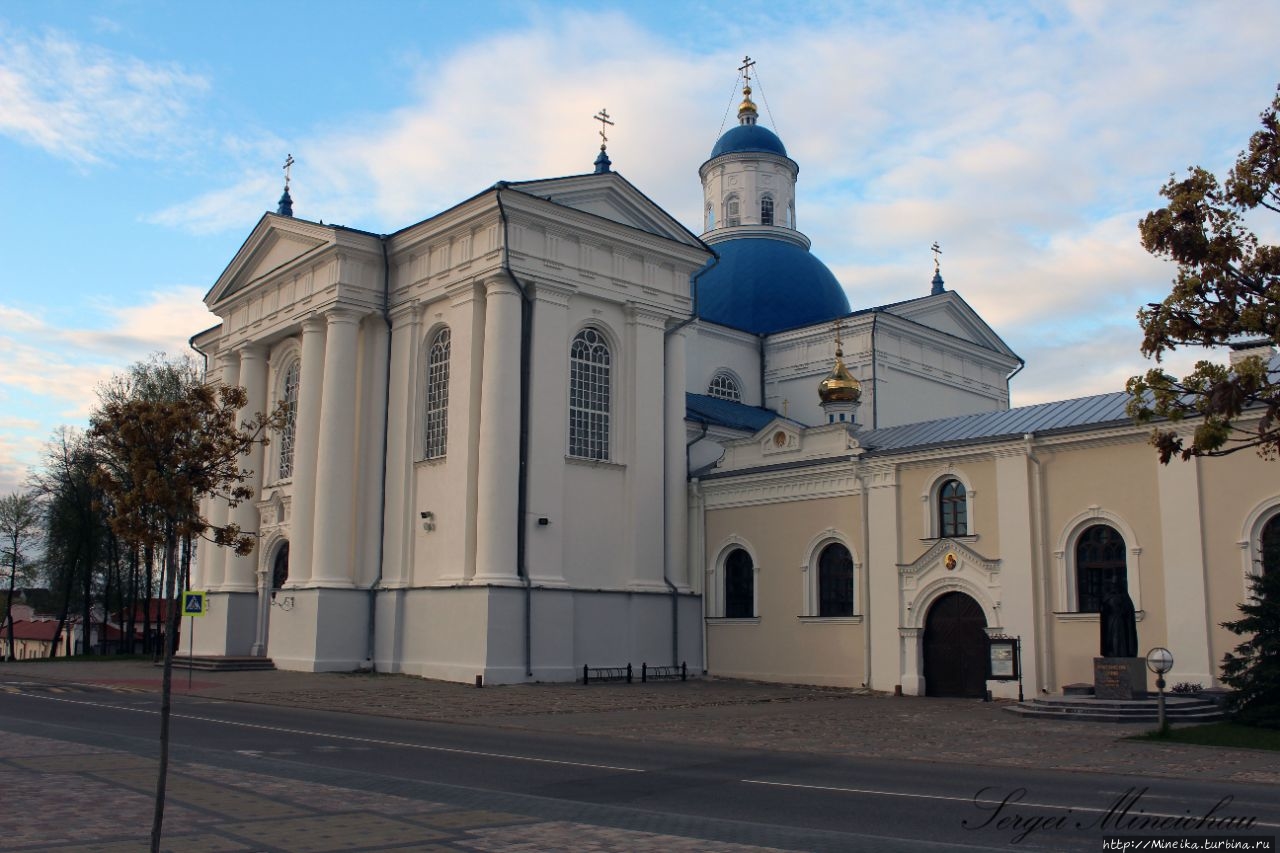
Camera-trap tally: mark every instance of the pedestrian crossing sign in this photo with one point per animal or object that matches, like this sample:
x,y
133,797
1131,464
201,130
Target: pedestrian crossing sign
x,y
193,603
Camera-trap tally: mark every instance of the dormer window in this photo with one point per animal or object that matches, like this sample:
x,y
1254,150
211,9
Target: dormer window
x,y
724,387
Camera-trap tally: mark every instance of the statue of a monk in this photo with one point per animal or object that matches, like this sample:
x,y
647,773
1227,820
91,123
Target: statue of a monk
x,y
1118,623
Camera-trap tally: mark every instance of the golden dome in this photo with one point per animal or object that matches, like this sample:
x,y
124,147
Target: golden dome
x,y
747,105
839,386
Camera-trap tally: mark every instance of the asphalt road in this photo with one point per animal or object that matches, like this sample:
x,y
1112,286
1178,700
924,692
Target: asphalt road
x,y
773,799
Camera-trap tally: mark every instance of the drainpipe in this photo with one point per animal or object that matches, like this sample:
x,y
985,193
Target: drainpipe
x,y
522,486
1039,593
382,492
666,528
875,389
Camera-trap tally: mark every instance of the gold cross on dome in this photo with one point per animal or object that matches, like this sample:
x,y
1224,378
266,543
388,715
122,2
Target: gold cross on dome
x,y
747,64
837,326
937,252
603,118
288,164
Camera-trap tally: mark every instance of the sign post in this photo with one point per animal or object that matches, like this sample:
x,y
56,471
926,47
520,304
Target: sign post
x,y
193,605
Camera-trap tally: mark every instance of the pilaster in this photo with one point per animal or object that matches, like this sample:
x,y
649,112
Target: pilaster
x,y
336,464
1185,596
498,468
646,461
676,488
306,443
405,331
213,560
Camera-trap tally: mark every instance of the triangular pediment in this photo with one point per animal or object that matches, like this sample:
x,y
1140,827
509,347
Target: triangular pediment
x,y
948,313
610,196
950,556
275,243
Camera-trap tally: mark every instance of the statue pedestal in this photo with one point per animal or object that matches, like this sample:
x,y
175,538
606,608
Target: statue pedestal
x,y
1119,678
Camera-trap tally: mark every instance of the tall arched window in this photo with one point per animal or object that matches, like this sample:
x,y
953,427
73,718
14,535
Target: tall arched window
x,y
766,210
791,216
1100,562
835,581
435,434
711,216
288,433
953,515
739,585
724,387
589,364
1270,551
732,212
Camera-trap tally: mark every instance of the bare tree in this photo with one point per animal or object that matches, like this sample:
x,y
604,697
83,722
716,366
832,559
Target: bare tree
x,y
20,529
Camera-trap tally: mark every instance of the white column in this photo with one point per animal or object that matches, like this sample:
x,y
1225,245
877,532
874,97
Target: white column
x,y
306,439
1186,601
241,571
331,559
498,474
213,560
399,506
677,490
646,465
548,428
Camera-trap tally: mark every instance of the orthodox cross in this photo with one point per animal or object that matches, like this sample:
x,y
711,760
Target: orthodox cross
x,y
747,64
837,326
288,164
603,118
937,252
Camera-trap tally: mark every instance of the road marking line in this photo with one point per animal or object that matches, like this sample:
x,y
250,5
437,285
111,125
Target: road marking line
x,y
351,738
973,800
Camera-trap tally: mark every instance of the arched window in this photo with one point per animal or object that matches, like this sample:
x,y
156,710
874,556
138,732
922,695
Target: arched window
x,y
724,387
739,585
1270,546
280,567
1100,562
766,210
835,581
435,434
288,433
791,216
711,216
589,364
732,213
953,515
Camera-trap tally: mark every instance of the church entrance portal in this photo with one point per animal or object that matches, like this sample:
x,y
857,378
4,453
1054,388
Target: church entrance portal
x,y
955,647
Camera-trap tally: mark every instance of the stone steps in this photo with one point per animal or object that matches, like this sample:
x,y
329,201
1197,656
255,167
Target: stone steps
x,y
1179,709
221,663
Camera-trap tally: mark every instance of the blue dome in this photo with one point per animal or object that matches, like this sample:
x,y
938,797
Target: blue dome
x,y
764,285
748,137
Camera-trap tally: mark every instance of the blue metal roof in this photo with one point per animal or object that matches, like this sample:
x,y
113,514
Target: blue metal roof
x,y
748,137
714,411
1011,423
763,285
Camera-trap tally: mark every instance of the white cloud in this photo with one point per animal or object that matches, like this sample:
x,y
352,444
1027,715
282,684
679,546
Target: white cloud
x,y
86,104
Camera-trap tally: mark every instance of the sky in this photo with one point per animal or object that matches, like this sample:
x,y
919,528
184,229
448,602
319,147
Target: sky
x,y
141,141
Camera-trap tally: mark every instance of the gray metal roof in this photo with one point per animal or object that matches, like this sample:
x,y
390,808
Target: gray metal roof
x,y
1061,415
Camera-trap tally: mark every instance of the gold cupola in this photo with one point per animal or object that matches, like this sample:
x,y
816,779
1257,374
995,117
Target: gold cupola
x,y
839,386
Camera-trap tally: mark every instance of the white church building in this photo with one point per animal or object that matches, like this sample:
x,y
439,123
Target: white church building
x,y
552,427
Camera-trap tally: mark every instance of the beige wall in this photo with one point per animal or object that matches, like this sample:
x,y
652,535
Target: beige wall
x,y
780,645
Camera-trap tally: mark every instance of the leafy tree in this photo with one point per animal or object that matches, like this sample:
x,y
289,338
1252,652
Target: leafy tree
x,y
160,455
1254,669
1227,290
19,527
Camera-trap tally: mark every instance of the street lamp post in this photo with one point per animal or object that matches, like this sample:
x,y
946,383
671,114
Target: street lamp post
x,y
1160,661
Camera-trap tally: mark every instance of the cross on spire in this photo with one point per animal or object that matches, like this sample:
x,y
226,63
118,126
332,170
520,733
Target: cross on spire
x,y
603,118
747,64
837,326
288,164
937,255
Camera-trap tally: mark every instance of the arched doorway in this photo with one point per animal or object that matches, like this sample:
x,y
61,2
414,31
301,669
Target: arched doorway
x,y
955,647
280,567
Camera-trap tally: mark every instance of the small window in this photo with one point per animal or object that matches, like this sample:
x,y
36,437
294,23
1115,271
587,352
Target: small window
x,y
288,433
589,365
766,210
835,581
724,387
1100,562
732,216
711,216
791,216
739,585
1271,546
953,515
436,414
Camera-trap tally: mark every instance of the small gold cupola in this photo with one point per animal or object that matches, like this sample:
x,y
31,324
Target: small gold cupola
x,y
747,112
840,392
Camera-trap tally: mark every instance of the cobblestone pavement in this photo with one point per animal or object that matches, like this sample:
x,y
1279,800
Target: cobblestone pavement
x,y
213,809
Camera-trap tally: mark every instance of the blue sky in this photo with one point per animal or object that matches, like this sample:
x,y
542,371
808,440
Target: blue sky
x,y
140,142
